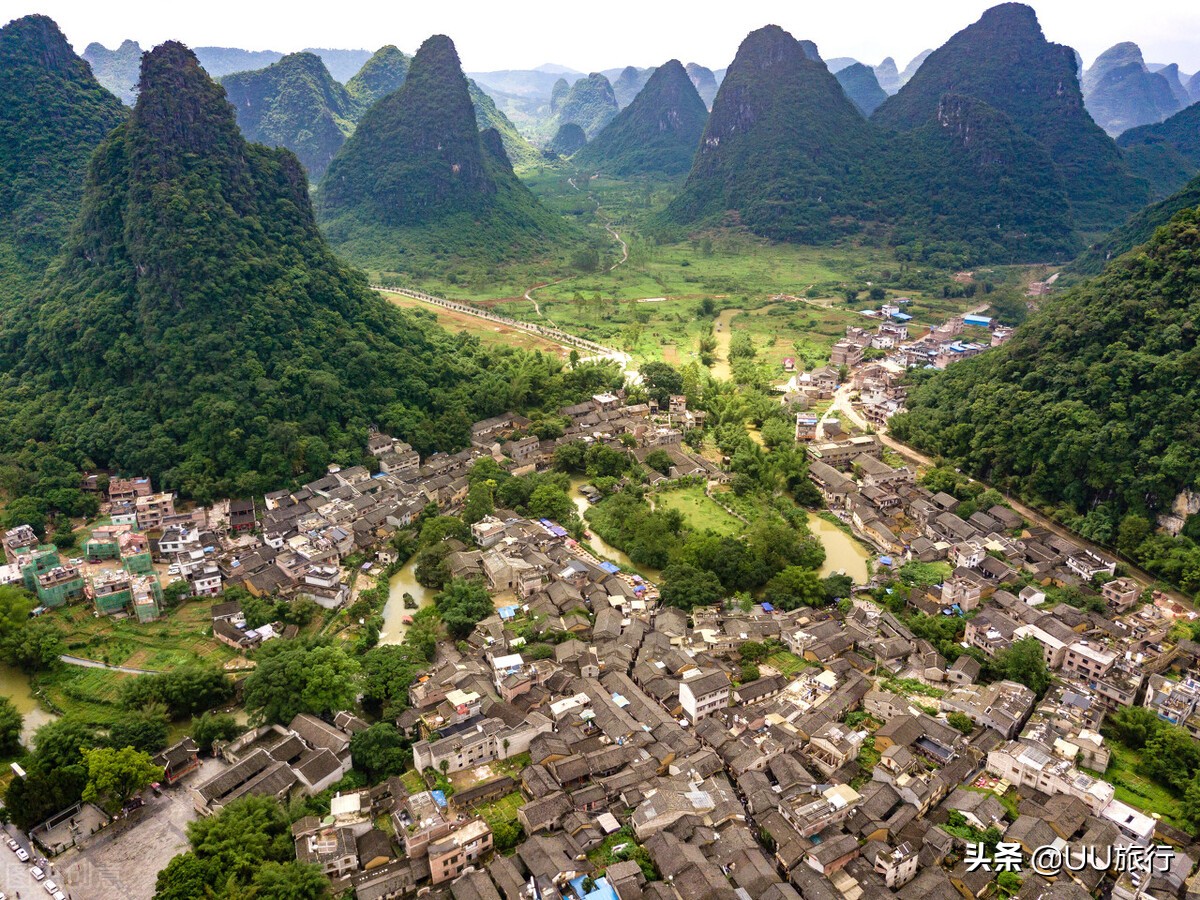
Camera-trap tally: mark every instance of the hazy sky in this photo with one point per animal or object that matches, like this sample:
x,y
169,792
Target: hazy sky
x,y
589,36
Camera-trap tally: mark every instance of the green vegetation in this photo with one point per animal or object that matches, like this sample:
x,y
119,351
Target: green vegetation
x,y
294,103
656,134
908,687
245,849
590,103
605,854
861,87
699,511
417,180
10,728
114,776
1166,154
311,351
1140,229
788,663
1154,766
383,73
567,140
1005,62
783,146
54,114
1091,408
299,676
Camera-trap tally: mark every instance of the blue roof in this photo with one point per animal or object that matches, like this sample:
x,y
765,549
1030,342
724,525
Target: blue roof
x,y
885,560
977,320
439,797
901,317
767,607
602,890
507,612
610,568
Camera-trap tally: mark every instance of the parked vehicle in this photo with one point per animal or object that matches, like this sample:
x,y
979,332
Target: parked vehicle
x,y
22,855
38,874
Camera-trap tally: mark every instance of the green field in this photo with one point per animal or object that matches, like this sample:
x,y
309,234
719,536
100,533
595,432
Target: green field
x,y
701,512
788,663
501,811
1137,790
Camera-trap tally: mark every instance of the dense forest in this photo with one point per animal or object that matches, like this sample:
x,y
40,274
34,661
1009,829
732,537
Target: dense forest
x,y
199,330
53,114
1092,409
656,134
418,173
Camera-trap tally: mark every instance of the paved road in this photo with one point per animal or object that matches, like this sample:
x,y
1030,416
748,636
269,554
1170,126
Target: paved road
x,y
94,664
14,874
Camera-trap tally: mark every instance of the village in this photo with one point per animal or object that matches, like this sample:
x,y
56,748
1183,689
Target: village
x,y
636,760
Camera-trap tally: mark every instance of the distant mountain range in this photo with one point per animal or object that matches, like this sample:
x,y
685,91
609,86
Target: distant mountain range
x,y
1121,92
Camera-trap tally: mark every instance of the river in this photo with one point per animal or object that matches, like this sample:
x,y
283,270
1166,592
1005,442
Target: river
x,y
843,553
14,684
394,611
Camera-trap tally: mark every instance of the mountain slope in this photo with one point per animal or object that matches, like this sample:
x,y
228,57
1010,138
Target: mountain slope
x,y
270,358
862,87
567,140
1139,229
383,73
221,61
53,114
1168,153
1121,93
116,70
590,104
705,81
888,76
294,103
783,148
1093,404
972,184
1005,61
487,115
628,83
416,173
656,134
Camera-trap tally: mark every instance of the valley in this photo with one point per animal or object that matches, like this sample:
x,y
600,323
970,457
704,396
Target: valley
x,y
426,479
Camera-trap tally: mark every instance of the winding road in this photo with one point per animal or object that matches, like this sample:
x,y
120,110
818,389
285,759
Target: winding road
x,y
94,664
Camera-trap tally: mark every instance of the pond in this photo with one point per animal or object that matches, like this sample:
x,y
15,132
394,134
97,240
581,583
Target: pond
x,y
14,684
395,611
843,553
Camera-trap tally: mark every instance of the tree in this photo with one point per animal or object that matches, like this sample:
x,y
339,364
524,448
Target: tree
x,y
794,587
1133,726
291,880
480,502
211,727
114,776
506,835
749,672
961,721
10,728
461,604
184,692
661,381
571,457
754,651
15,606
431,568
380,752
659,460
1171,757
551,502
297,676
686,586
144,729
1023,663
837,587
36,647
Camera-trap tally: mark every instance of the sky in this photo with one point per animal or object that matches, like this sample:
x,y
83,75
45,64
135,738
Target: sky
x,y
521,34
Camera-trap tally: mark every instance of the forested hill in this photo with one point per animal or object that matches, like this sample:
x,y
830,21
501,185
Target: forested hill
x,y
783,147
53,113
294,103
199,330
1139,229
656,134
416,170
1166,154
1005,61
383,73
1093,406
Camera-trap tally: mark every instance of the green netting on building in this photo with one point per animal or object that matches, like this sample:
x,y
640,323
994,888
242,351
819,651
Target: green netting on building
x,y
107,604
101,549
138,564
45,559
59,594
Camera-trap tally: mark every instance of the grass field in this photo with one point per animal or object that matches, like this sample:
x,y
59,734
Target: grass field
x,y
503,810
1137,790
787,663
701,512
180,639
